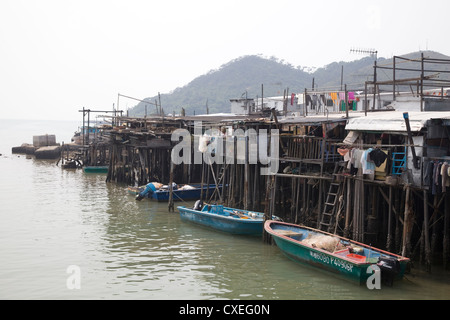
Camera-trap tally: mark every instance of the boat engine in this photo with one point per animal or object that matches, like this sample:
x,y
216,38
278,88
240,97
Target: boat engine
x,y
390,268
198,205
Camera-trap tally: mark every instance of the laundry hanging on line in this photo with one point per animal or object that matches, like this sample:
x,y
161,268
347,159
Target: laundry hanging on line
x,y
437,176
365,159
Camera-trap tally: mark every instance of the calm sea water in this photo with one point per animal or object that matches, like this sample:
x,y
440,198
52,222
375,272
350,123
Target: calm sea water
x,y
52,219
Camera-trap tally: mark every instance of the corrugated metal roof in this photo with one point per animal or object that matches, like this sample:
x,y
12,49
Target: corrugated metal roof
x,y
393,121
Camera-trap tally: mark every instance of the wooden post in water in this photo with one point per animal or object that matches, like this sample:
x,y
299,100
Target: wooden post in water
x,y
268,204
407,223
172,165
446,240
426,231
435,221
389,228
348,207
304,201
202,182
246,172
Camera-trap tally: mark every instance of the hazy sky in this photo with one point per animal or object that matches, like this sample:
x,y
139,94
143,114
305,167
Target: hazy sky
x,y
58,56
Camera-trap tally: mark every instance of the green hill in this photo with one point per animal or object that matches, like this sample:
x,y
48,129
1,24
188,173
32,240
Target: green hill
x,y
234,79
245,75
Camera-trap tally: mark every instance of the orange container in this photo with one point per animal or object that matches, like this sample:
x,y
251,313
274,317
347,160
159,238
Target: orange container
x,y
355,256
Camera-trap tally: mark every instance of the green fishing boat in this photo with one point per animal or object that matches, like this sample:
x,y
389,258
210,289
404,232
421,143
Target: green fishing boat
x,y
350,259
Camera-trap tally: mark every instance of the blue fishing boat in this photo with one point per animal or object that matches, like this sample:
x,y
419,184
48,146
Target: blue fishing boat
x,y
218,217
159,192
345,257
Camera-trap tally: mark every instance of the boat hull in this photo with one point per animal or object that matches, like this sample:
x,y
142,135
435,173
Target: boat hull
x,y
222,222
353,269
96,169
190,194
178,195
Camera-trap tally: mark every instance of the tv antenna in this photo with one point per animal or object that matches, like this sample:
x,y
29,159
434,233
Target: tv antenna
x,y
371,52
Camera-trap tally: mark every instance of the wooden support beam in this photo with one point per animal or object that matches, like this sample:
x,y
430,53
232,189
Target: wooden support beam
x,y
426,233
446,240
171,206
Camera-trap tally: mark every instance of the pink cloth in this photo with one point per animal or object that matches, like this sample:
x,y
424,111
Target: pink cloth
x,y
351,96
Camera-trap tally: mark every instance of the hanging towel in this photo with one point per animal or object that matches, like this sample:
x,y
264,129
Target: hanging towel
x,y
439,181
428,175
356,157
367,165
351,96
378,157
334,96
444,174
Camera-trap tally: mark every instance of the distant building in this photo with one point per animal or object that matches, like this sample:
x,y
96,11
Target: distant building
x,y
242,106
283,106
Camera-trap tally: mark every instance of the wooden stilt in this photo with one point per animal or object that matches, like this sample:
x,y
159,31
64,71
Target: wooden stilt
x,y
425,233
171,206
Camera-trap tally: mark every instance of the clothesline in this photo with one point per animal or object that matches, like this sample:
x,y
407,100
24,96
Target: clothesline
x,y
324,90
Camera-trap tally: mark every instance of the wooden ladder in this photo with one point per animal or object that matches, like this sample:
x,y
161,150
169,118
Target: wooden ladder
x,y
330,206
220,176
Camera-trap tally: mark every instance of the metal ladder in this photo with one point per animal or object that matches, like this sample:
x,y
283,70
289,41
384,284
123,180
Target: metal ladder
x,y
398,162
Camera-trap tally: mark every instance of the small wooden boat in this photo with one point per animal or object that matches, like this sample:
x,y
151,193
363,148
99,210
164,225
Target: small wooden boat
x,y
96,169
218,217
180,192
348,258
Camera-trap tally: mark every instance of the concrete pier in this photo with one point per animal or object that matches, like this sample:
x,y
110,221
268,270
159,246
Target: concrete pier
x,y
51,152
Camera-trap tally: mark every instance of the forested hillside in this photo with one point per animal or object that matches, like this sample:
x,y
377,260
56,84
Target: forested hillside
x,y
253,76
